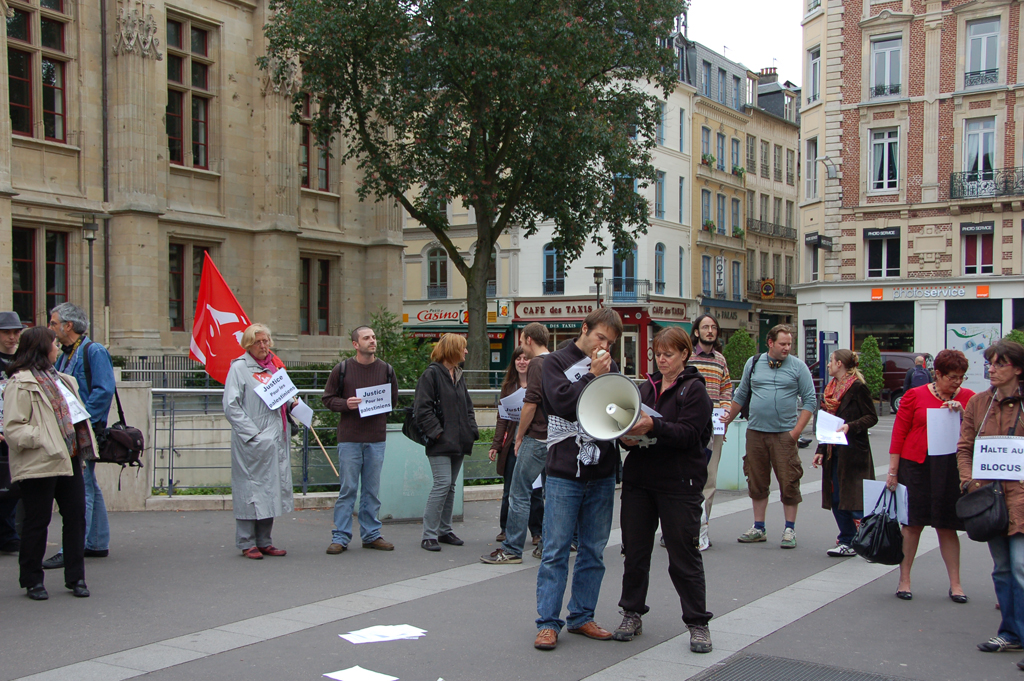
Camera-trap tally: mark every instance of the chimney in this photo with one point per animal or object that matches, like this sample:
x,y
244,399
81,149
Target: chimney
x,y
768,75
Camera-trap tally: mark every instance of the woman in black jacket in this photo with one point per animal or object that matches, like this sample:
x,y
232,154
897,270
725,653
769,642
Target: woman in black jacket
x,y
846,467
444,412
665,482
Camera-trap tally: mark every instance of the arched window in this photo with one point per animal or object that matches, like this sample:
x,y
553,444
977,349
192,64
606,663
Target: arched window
x,y
624,275
437,273
554,271
659,269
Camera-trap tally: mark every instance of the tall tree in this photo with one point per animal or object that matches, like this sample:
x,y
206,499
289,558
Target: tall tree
x,y
527,111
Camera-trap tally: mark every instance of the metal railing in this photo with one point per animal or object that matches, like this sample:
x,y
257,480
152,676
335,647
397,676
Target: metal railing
x,y
629,290
976,78
983,184
764,170
437,291
781,290
885,90
790,178
554,286
813,5
778,174
770,229
492,288
813,97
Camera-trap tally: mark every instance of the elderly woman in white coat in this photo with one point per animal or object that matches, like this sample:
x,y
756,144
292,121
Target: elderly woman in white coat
x,y
261,474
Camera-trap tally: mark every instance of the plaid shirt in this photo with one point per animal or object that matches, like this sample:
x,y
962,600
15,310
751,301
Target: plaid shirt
x,y
715,370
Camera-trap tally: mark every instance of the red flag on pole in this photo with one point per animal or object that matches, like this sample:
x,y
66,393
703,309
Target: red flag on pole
x,y
219,324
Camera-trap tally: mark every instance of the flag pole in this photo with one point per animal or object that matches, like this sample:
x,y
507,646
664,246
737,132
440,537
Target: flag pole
x,y
313,430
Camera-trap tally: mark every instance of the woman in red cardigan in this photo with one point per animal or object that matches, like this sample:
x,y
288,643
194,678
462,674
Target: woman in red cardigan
x,y
933,482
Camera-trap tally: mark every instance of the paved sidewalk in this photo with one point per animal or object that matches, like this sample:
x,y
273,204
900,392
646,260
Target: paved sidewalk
x,y
175,600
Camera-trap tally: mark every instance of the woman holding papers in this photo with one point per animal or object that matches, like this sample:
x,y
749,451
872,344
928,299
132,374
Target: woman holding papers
x,y
47,430
846,467
997,412
927,469
444,412
261,471
502,448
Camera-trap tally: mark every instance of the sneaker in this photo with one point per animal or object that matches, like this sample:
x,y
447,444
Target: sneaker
x,y
499,557
752,536
538,551
54,562
998,644
704,541
841,551
700,639
574,548
788,538
631,626
536,539
430,545
450,538
500,537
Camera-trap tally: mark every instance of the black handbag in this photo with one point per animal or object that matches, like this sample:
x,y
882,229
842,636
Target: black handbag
x,y
984,512
120,443
880,539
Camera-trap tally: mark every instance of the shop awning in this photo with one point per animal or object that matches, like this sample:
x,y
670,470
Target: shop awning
x,y
494,332
551,325
664,323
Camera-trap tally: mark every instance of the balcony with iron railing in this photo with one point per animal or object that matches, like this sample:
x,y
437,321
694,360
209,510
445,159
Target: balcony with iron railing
x,y
437,291
766,228
492,288
790,178
890,90
554,287
778,174
977,78
781,290
765,170
813,5
629,290
812,97
986,184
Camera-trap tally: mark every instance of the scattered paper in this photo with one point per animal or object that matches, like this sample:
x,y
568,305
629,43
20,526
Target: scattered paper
x,y
375,400
277,390
578,370
510,407
943,431
826,430
357,673
717,415
78,412
539,482
383,632
873,489
650,412
304,413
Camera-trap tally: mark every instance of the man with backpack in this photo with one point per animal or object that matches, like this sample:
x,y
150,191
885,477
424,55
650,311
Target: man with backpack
x,y
89,363
917,375
361,441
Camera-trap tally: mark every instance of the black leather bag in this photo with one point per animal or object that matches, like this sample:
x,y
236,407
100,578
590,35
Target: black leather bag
x,y
411,429
880,539
120,443
984,512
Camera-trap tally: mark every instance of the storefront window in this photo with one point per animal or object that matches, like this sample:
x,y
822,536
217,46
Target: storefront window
x,y
890,322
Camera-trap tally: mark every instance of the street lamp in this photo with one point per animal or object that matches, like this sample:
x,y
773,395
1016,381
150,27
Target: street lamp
x,y
89,229
598,279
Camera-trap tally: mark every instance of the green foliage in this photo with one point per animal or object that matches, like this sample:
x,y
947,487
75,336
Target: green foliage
x,y
406,354
530,113
871,366
737,351
1017,336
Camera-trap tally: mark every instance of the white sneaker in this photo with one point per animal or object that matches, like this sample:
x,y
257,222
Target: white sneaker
x,y
704,543
841,551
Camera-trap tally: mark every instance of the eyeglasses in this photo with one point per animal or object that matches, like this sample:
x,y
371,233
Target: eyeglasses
x,y
954,378
264,341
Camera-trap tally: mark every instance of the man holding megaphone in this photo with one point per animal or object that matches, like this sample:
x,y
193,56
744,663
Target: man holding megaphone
x,y
580,485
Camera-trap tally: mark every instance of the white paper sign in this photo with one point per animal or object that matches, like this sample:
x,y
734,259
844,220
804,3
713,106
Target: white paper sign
x,y
511,407
578,370
277,390
375,400
78,412
826,429
998,458
717,416
303,413
943,431
357,673
649,411
873,489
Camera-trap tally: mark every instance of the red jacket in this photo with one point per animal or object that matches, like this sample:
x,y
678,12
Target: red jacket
x,y
910,433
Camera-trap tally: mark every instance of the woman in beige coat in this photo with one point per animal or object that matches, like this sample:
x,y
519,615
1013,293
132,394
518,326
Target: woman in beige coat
x,y
48,433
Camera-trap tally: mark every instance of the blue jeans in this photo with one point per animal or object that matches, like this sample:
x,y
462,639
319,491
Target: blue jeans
x,y
358,460
533,454
97,527
567,502
1008,577
844,519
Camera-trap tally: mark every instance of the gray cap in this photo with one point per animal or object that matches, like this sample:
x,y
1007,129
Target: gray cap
x,y
10,320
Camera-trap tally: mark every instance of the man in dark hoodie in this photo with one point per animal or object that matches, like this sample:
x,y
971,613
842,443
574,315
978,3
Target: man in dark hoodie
x,y
664,482
580,485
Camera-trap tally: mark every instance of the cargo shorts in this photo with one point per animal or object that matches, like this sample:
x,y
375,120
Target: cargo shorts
x,y
773,451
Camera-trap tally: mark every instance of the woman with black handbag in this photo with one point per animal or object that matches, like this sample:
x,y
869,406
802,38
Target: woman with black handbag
x,y
997,412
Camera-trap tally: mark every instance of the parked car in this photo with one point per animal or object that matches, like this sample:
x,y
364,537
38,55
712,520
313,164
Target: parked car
x,y
894,370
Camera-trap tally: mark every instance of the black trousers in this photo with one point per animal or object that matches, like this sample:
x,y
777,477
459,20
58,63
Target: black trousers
x,y
680,523
37,496
536,521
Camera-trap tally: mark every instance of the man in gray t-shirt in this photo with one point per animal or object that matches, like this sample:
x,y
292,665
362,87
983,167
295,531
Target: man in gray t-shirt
x,y
771,386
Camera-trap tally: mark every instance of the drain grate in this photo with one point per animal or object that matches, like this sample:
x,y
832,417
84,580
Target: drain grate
x,y
764,668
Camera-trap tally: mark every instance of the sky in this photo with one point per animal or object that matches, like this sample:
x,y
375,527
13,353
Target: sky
x,y
756,33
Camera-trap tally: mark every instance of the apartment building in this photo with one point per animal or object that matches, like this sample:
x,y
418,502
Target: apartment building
x,y
920,183
158,145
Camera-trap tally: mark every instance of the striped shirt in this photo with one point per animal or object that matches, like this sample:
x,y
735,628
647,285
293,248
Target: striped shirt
x,y
715,370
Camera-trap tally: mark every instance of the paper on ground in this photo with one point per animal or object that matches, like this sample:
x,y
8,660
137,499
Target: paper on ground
x,y
357,673
872,490
383,632
826,429
304,413
943,431
717,415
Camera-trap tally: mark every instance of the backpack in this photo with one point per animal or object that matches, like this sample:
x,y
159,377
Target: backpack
x,y
120,443
920,377
745,407
411,428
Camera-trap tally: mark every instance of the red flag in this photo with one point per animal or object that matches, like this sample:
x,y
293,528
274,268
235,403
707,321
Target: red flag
x,y
219,324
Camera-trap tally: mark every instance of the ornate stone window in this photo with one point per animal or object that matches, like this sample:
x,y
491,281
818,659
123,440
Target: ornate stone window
x,y
307,150
38,68
189,93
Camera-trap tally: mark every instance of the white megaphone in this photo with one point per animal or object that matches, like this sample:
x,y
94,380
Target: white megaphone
x,y
609,407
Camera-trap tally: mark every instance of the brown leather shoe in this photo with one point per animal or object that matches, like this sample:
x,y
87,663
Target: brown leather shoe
x,y
380,543
335,549
546,639
272,551
252,552
592,630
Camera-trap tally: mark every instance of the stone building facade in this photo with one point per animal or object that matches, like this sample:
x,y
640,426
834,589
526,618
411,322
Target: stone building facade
x,y
166,135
